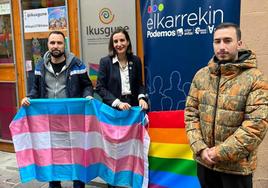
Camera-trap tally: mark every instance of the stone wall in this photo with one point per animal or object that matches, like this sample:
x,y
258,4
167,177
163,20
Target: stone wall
x,y
254,26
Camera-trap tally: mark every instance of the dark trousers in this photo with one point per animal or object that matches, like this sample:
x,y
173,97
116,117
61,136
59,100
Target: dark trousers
x,y
111,186
76,184
212,179
130,99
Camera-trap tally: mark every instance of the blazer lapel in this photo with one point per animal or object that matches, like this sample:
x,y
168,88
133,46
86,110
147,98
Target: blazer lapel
x,y
117,75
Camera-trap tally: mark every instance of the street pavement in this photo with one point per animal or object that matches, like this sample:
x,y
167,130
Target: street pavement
x,y
9,175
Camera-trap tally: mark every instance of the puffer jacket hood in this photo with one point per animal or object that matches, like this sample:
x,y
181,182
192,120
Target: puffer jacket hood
x,y
68,55
246,60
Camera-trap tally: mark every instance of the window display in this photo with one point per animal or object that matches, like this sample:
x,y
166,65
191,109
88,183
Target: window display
x,y
39,18
6,48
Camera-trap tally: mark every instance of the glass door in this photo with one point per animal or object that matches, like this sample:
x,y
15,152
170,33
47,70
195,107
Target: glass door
x,y
39,18
8,80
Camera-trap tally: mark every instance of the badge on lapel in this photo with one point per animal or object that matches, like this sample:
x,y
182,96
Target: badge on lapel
x,y
130,65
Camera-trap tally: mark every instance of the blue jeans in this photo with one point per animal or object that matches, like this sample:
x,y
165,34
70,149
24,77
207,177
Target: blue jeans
x,y
76,184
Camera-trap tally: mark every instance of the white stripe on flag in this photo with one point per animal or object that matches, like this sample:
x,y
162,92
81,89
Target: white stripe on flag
x,y
82,140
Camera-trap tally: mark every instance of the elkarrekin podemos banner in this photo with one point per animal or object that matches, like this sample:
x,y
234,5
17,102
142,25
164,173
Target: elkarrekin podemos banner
x,y
177,42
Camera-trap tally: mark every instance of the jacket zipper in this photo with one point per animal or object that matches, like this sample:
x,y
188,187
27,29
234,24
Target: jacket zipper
x,y
218,73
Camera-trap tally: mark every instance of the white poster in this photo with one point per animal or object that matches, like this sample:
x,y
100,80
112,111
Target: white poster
x,y
35,20
4,8
98,20
45,19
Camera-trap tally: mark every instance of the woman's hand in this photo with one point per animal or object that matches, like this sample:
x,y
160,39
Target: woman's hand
x,y
124,106
143,104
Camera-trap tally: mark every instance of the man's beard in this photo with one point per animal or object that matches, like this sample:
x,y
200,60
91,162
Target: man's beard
x,y
56,53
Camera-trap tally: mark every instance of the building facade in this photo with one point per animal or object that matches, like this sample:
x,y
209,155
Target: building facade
x,y
20,49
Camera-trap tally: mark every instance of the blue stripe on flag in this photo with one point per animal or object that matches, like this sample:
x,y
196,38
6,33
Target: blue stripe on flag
x,y
74,106
171,180
81,106
115,117
78,172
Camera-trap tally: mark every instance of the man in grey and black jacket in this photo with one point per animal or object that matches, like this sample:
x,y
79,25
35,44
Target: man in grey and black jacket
x,y
60,75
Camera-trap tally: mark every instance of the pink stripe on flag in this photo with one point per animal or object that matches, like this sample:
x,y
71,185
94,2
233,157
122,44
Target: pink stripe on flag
x,y
63,123
156,186
85,158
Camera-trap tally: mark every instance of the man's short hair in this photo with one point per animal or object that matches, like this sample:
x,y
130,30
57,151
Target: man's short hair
x,y
229,24
57,33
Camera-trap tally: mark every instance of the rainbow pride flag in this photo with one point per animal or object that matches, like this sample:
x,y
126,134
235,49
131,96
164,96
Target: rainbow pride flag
x,y
93,71
170,158
81,139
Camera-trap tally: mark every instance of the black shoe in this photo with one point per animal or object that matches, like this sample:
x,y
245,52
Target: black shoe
x,y
54,184
78,184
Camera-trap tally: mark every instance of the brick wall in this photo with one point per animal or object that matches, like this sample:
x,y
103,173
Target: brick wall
x,y
254,26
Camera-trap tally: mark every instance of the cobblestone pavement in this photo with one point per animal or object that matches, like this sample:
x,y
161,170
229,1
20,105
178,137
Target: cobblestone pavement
x,y
9,175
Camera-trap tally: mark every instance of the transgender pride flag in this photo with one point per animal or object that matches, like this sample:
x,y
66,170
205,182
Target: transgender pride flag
x,y
81,139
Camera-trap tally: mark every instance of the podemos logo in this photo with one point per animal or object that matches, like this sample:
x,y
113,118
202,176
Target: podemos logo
x,y
106,16
198,21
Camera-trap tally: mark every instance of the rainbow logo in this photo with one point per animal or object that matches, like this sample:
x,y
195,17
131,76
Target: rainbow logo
x,y
106,16
154,8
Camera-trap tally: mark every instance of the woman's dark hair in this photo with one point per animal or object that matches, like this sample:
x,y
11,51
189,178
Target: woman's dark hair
x,y
111,49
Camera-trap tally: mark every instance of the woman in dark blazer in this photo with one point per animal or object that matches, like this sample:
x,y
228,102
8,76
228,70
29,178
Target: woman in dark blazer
x,y
119,81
